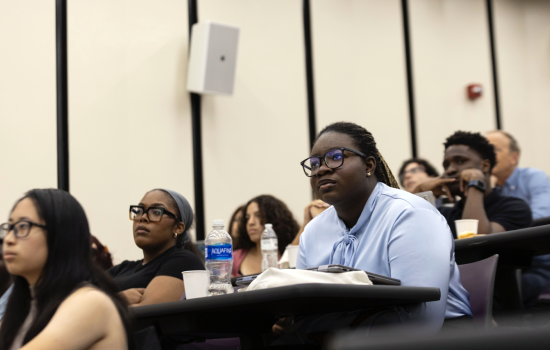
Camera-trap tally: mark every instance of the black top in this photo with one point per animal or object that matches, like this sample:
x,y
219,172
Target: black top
x,y
133,274
512,213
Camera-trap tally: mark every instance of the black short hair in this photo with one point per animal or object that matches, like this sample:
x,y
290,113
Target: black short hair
x,y
430,170
476,142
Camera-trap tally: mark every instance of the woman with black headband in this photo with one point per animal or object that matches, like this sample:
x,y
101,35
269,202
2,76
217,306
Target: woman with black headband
x,y
374,226
161,223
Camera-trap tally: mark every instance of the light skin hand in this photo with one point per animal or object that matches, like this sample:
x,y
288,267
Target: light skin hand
x,y
133,295
311,210
437,185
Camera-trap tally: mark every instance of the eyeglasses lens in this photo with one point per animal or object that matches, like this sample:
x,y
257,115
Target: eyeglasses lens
x,y
4,229
155,214
334,158
20,229
311,166
136,213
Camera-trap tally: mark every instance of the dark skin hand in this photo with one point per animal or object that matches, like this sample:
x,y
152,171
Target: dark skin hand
x,y
347,188
463,165
439,186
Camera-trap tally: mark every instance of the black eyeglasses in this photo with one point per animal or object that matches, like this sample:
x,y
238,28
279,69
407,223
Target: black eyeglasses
x,y
21,229
153,213
334,158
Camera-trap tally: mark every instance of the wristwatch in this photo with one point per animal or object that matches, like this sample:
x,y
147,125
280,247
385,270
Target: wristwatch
x,y
479,184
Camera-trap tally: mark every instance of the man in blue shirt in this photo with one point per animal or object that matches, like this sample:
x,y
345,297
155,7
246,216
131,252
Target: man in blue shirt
x,y
531,185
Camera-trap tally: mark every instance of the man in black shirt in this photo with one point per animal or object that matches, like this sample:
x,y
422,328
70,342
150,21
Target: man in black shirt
x,y
468,161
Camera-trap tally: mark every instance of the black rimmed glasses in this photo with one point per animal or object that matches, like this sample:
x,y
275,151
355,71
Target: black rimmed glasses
x,y
21,229
153,213
333,159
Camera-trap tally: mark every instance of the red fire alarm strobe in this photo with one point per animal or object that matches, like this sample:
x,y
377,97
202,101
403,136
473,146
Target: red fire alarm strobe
x,y
474,91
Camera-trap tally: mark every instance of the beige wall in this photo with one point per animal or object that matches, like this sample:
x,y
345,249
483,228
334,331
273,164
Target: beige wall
x,y
28,153
129,113
522,30
253,141
360,76
450,50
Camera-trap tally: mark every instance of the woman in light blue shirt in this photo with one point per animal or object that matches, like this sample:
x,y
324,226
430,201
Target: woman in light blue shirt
x,y
374,226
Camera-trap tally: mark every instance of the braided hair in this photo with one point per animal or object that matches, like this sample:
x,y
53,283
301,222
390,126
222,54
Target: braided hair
x,y
366,144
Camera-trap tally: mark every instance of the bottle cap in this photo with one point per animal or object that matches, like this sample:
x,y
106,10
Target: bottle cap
x,y
218,223
268,226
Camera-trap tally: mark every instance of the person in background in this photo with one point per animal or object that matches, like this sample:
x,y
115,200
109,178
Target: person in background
x,y
247,260
6,284
234,225
161,223
61,300
374,226
530,184
414,172
101,255
311,210
468,161
533,186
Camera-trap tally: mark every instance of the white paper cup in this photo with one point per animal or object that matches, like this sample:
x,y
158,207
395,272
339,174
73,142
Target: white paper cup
x,y
195,283
464,227
292,255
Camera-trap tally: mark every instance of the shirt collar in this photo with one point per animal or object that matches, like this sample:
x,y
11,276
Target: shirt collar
x,y
512,180
366,213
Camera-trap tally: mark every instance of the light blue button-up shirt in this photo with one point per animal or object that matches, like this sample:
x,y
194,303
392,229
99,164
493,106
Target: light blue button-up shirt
x,y
4,301
531,185
399,235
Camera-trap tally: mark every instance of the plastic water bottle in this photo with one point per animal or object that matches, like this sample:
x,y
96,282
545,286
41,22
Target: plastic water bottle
x,y
270,251
219,260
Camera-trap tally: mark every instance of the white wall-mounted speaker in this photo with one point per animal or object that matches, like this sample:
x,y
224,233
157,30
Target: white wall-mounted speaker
x,y
213,58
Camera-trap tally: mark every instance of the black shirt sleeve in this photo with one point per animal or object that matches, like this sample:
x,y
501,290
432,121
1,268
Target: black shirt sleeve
x,y
512,213
179,261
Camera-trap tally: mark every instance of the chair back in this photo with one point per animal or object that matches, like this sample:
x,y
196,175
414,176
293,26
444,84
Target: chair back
x,y
479,280
541,221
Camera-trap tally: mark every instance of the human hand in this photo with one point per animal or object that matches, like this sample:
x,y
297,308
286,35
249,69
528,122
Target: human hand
x,y
313,209
133,295
438,186
468,175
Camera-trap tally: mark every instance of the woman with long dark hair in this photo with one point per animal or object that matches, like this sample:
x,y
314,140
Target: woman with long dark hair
x,y
247,260
161,223
375,227
60,299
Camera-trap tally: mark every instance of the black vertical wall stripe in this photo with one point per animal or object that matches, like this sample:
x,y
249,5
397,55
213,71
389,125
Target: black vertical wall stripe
x,y
410,85
312,121
494,61
197,138
62,95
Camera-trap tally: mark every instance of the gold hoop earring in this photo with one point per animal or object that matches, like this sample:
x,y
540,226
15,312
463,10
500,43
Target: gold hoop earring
x,y
175,235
